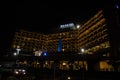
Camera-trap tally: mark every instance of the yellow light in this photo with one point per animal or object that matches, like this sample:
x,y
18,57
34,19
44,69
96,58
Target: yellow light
x,y
64,63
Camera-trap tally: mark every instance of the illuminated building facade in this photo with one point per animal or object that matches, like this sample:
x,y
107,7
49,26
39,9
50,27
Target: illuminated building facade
x,y
34,41
30,41
93,37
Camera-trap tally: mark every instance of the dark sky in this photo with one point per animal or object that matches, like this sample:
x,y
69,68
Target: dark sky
x,y
43,16
46,16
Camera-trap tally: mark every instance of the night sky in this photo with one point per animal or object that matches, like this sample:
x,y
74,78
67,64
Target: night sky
x,y
46,16
43,16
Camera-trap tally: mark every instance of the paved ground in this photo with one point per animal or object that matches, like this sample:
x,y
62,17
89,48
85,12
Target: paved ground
x,y
61,75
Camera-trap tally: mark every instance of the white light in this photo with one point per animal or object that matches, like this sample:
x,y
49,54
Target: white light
x,y
82,50
46,63
18,50
19,70
23,70
16,72
69,78
24,73
14,53
38,63
117,6
38,53
70,25
78,26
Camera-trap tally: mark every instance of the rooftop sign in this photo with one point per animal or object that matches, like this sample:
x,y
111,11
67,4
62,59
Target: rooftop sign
x,y
69,25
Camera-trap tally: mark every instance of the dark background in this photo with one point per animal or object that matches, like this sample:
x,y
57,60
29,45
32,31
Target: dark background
x,y
46,16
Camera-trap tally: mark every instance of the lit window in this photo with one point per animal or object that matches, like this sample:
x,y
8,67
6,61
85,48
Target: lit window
x,y
64,63
38,53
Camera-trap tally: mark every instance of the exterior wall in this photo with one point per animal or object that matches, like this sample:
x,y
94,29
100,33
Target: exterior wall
x,y
68,39
93,36
30,41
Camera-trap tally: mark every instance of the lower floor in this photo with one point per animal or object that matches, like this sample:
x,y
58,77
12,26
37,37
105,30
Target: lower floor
x,y
70,65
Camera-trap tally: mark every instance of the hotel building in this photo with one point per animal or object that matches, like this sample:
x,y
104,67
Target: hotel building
x,y
89,41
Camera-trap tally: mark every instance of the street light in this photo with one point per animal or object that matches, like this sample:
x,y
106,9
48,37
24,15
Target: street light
x,y
68,78
78,26
82,52
17,52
